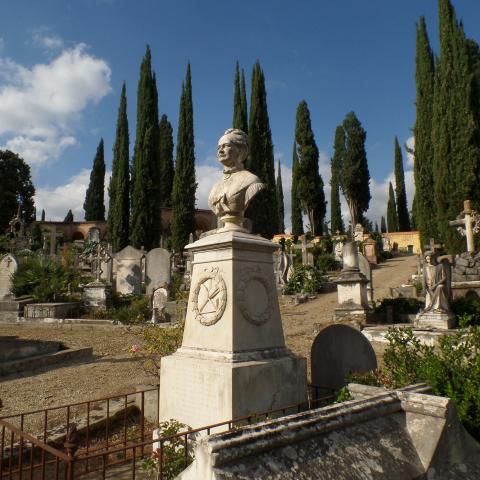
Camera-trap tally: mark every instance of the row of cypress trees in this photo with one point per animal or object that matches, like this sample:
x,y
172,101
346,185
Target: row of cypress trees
x,y
447,128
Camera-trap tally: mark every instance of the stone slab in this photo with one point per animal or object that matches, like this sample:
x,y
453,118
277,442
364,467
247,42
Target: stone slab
x,y
204,391
443,321
50,310
157,268
426,336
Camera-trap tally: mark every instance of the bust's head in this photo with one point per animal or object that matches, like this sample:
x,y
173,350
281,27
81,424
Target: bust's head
x,y
232,148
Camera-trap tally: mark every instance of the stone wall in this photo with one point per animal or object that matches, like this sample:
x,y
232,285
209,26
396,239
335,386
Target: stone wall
x,y
466,268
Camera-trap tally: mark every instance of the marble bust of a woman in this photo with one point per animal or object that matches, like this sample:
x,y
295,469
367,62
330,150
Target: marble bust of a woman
x,y
231,195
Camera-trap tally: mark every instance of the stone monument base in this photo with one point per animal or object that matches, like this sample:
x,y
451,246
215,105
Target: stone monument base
x,y
435,320
206,387
97,296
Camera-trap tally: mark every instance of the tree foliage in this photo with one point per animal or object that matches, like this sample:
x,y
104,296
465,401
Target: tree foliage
x,y
310,183
68,217
165,143
383,225
280,205
184,184
94,205
400,193
392,217
261,161
355,177
336,223
296,217
145,216
239,102
119,190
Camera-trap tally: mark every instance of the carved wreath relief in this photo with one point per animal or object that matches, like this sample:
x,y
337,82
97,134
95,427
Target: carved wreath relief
x,y
255,298
209,297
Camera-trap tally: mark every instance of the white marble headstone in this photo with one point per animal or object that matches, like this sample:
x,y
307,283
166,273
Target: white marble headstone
x,y
8,266
157,268
129,271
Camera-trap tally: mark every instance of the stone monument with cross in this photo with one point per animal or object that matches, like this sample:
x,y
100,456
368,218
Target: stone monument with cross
x,y
233,358
467,223
52,236
97,294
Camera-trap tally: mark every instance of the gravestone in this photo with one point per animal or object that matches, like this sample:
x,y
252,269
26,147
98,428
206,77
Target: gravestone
x,y
159,302
337,351
94,235
370,249
358,233
386,245
8,266
129,271
366,269
157,269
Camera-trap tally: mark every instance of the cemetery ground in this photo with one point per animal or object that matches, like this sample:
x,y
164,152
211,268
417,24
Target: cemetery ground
x,y
114,370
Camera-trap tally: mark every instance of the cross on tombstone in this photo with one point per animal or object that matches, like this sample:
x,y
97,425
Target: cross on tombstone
x,y
467,223
53,235
101,255
434,247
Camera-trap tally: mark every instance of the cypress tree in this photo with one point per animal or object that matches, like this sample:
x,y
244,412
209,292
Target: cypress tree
x,y
165,148
376,227
43,215
261,161
310,183
243,99
68,217
336,223
297,220
184,185
424,204
239,102
119,190
456,128
400,193
280,205
355,177
392,217
145,220
383,225
94,199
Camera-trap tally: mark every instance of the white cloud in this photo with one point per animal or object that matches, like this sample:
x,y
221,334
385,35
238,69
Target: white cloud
x,y
43,38
207,176
58,200
39,105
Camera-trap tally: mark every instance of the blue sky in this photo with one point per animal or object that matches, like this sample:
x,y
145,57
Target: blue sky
x,y
62,64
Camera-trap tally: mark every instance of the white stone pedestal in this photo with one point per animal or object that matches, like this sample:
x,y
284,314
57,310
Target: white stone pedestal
x,y
233,361
352,296
97,296
439,320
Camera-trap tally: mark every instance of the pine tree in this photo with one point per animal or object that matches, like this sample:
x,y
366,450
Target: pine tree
x,y
43,215
392,217
145,224
184,185
243,98
336,223
119,191
355,177
383,225
239,102
165,148
280,205
456,128
400,193
94,205
424,204
68,217
261,161
310,183
297,219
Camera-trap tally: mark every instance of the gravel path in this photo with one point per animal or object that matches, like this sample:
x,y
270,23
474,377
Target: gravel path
x,y
114,370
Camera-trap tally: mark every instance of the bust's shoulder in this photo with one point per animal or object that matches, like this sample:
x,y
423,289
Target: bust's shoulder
x,y
246,178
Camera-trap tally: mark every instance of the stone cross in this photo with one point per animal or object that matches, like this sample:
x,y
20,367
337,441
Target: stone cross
x,y
100,255
434,246
53,240
467,223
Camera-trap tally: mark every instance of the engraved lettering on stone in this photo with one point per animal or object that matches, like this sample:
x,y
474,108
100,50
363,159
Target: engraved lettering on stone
x,y
209,297
255,298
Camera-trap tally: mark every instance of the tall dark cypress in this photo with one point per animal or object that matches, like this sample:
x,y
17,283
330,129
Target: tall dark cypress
x,y
456,128
165,158
400,193
119,191
280,205
68,217
383,225
145,219
43,215
392,217
310,185
184,185
336,223
424,203
239,107
355,177
261,161
94,205
297,219
243,101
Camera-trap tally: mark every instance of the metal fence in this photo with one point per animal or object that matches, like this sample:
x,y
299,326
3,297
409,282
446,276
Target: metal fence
x,y
119,446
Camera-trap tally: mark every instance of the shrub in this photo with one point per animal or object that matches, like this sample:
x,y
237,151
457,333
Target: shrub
x,y
44,280
305,278
326,263
467,310
130,309
401,306
386,255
